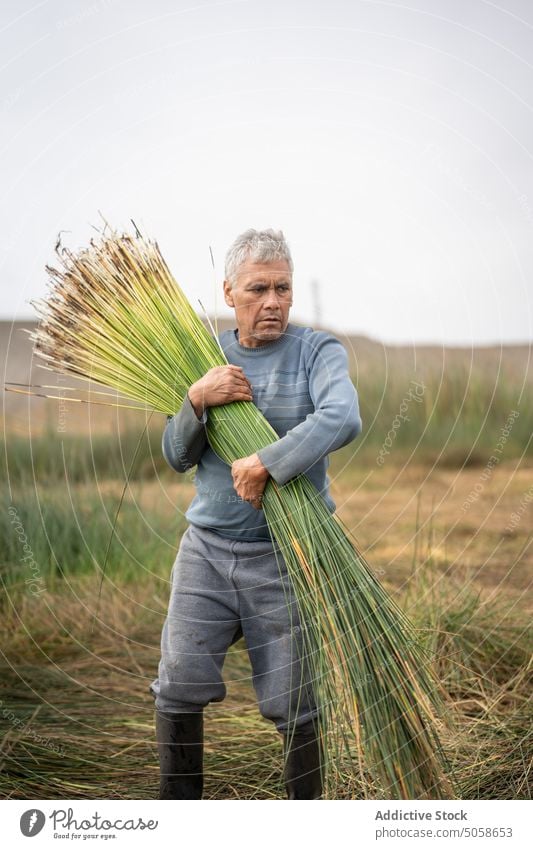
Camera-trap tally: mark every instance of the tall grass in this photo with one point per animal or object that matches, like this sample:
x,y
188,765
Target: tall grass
x,y
68,531
453,418
51,457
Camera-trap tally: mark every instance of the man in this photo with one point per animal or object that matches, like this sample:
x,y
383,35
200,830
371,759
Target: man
x,y
229,578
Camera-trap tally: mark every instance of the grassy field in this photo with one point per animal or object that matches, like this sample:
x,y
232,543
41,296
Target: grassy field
x,y
440,503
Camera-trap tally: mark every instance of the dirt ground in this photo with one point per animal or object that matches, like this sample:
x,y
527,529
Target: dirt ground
x,y
459,521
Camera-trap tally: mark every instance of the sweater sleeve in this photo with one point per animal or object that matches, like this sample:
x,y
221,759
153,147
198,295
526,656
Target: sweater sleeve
x,y
335,421
184,438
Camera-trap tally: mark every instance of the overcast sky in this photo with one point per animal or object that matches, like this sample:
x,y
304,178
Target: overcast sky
x,y
391,142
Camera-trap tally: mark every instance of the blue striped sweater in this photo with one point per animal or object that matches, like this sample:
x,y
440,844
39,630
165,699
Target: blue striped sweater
x,y
301,384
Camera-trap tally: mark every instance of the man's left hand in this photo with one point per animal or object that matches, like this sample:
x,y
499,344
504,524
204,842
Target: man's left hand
x,y
249,479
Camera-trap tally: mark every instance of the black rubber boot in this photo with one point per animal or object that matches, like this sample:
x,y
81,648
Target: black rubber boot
x,y
180,741
302,773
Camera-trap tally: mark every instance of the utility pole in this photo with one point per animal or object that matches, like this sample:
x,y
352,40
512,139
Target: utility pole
x,y
317,306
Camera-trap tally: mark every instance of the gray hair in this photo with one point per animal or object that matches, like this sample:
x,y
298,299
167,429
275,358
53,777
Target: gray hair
x,y
259,246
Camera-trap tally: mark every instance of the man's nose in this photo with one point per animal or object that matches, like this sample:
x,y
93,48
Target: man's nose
x,y
271,299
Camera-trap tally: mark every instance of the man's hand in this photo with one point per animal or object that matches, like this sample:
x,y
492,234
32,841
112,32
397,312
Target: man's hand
x,y
249,479
220,385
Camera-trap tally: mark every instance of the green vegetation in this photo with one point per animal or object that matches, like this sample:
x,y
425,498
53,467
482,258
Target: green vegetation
x,y
454,419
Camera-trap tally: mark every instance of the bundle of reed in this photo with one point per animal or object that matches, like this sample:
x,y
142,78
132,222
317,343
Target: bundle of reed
x,y
116,316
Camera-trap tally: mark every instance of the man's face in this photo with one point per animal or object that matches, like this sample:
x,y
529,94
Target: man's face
x,y
262,298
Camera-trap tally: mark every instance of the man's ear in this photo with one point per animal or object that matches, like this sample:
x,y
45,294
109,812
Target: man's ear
x,y
228,295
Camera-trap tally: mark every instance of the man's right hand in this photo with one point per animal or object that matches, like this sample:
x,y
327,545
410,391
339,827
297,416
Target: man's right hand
x,y
220,385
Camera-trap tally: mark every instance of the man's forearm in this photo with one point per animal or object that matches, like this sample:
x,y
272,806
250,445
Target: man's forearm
x,y
335,421
184,439
306,444
196,401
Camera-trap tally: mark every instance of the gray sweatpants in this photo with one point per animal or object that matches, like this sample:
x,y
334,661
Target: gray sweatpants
x,y
223,589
